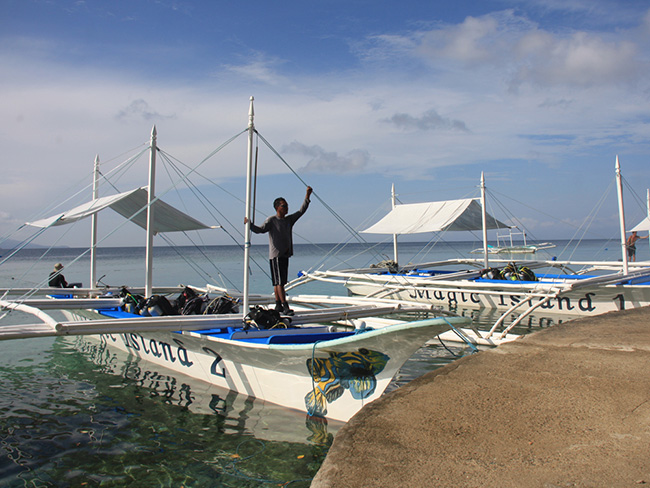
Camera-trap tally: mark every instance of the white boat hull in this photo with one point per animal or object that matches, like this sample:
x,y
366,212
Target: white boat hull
x,y
521,296
354,371
241,413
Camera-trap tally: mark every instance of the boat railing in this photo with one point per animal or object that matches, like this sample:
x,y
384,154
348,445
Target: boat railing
x,y
334,308
385,290
87,292
510,236
637,276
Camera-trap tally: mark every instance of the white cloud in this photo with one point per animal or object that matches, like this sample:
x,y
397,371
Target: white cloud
x,y
259,68
430,120
580,60
321,161
522,52
469,42
140,109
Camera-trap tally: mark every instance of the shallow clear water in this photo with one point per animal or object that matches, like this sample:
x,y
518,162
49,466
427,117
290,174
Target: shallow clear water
x,y
73,414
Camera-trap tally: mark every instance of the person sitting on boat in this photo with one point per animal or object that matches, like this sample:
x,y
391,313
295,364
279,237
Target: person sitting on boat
x,y
631,245
57,280
279,227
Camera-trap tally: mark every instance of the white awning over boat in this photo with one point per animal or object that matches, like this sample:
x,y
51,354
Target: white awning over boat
x,y
413,218
127,204
644,225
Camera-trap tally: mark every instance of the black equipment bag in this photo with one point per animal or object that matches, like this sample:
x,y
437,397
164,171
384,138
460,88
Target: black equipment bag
x,y
222,304
264,318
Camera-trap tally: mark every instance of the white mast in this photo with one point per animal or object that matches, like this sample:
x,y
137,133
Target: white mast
x,y
621,214
647,198
150,217
392,195
93,228
249,184
486,265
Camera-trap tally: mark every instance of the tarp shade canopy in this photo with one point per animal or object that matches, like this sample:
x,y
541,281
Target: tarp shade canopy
x,y
166,217
414,218
644,225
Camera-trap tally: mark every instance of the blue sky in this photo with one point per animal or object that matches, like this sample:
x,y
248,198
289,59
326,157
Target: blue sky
x,y
356,95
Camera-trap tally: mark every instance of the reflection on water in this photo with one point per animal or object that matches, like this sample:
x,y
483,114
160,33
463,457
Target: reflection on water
x,y
485,318
67,421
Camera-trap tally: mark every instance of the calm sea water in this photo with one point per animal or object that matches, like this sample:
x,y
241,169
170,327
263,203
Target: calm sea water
x,y
74,414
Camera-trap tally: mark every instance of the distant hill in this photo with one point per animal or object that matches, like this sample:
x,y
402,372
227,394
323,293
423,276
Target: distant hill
x,y
11,244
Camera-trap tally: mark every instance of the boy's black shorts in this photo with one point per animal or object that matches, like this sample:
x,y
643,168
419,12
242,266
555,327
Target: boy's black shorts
x,y
279,270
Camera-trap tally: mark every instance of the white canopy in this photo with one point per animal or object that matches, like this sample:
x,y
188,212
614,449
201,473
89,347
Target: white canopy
x,y
166,217
643,225
465,214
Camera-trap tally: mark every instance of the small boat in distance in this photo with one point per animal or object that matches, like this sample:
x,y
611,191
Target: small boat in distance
x,y
514,242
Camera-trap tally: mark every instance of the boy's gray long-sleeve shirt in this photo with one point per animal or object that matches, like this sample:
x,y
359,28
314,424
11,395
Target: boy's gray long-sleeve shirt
x,y
280,232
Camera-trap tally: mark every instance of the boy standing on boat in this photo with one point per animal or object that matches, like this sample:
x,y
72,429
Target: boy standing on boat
x,y
279,227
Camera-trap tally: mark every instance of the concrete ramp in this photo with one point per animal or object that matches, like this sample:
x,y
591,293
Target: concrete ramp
x,y
566,406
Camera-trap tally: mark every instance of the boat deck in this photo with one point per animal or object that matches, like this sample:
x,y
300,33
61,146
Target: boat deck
x,y
541,278
260,336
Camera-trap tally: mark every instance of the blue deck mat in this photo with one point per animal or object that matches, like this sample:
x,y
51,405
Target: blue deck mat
x,y
219,331
296,338
116,313
540,279
302,337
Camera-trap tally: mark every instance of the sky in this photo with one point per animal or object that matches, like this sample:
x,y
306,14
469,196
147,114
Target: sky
x,y
541,96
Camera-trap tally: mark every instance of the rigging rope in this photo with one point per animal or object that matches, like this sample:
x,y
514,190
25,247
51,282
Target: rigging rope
x,y
330,209
353,233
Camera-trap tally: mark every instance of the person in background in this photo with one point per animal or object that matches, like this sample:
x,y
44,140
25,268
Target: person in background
x,y
631,246
57,280
279,228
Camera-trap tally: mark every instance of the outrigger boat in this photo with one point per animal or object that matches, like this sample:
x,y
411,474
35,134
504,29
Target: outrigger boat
x,y
566,288
514,242
329,360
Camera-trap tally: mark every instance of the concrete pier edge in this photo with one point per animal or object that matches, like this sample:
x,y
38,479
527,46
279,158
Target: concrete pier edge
x,y
564,406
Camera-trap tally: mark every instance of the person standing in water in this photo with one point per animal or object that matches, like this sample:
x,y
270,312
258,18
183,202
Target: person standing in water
x,y
280,230
631,246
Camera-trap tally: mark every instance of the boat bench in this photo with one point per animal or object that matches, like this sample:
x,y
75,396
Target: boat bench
x,y
305,335
429,272
488,280
307,338
116,313
294,338
418,272
287,336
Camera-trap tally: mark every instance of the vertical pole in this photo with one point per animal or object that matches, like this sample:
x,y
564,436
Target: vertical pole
x,y
395,254
148,285
621,214
249,185
486,264
93,228
647,198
